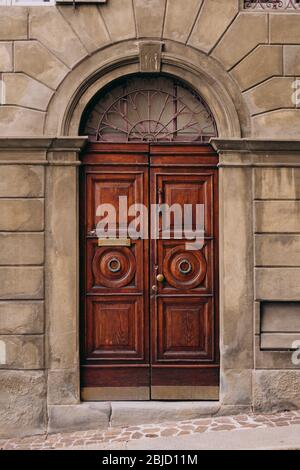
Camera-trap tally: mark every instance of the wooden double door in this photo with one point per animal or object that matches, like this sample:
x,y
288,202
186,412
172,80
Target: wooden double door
x,y
149,306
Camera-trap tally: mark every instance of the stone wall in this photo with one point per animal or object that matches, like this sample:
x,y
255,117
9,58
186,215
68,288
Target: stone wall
x,y
39,46
245,64
22,318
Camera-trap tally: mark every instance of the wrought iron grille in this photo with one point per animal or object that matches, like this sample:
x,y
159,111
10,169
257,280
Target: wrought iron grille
x,y
150,109
272,5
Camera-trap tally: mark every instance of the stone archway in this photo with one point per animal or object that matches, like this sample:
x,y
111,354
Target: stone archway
x,y
64,114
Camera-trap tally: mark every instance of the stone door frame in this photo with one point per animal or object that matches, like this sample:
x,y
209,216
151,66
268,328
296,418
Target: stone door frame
x,y
62,241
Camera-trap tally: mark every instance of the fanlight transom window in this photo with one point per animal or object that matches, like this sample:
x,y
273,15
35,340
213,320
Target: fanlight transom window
x,y
150,110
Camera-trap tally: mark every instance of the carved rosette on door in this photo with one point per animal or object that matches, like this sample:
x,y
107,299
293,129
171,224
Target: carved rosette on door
x,y
150,304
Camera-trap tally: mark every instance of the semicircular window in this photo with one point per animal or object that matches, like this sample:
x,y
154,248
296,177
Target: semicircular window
x,y
150,110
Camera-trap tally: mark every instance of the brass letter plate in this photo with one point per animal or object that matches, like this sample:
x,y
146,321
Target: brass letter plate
x,y
114,242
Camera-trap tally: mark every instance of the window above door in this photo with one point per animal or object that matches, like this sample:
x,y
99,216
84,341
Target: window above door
x,y
149,109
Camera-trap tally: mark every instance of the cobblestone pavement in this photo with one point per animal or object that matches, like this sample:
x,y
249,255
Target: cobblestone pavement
x,y
183,428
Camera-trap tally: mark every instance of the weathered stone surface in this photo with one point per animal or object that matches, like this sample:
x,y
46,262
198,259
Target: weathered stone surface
x,y
264,62
279,341
236,342
277,183
22,352
280,317
48,26
61,276
22,90
277,216
88,24
21,248
131,413
285,28
6,62
13,23
22,403
119,19
149,16
272,94
16,121
21,283
21,181
277,250
291,58
212,22
179,21
276,390
85,416
277,283
35,60
283,123
63,387
20,318
272,359
21,215
247,31
236,387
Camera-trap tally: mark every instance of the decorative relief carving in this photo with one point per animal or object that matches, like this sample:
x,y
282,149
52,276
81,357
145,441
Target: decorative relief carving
x,y
150,57
274,5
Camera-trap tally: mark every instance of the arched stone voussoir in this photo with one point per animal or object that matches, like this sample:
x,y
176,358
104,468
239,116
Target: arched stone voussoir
x,y
201,72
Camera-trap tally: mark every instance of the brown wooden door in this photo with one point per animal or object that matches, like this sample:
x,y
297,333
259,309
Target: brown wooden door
x,y
145,336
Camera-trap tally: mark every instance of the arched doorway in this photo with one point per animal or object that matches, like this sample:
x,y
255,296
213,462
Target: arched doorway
x,y
149,283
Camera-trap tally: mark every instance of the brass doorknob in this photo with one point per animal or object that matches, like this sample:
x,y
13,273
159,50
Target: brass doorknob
x,y
160,278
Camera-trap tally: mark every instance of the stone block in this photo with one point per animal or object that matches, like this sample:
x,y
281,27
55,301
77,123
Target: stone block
x,y
21,90
236,287
284,28
133,413
273,94
277,283
21,249
49,27
149,15
22,403
236,387
272,359
119,19
22,352
20,283
21,215
279,341
17,122
63,387
6,61
179,21
264,62
282,123
35,60
276,390
21,318
280,317
214,19
88,24
291,60
247,31
13,23
61,276
21,181
81,417
277,183
277,250
277,216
